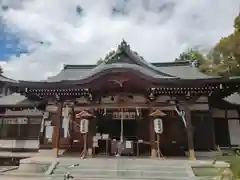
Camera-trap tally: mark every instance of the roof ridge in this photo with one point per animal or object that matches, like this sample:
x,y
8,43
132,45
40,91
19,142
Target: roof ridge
x,y
174,63
157,64
77,66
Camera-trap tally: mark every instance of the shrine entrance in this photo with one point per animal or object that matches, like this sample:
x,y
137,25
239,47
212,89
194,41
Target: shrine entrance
x,y
120,129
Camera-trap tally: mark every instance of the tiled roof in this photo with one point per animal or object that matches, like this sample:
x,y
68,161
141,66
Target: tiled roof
x,y
165,70
233,98
16,99
6,79
123,59
79,74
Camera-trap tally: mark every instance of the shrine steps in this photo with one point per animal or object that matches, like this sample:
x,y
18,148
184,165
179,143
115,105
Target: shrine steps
x,y
124,168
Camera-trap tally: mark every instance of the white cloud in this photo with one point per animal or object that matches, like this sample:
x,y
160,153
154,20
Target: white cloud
x,y
158,30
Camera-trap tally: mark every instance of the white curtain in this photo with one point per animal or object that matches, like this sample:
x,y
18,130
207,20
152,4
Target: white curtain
x,y
234,131
66,119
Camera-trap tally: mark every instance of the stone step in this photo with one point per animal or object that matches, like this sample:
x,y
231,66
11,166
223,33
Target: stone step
x,y
108,163
127,163
119,172
123,174
118,169
92,177
124,167
111,178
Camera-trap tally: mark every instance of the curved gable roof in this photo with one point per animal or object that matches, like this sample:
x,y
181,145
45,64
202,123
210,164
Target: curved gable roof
x,y
76,74
127,60
6,79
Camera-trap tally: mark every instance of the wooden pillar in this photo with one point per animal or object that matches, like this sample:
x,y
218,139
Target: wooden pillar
x,y
71,130
91,133
152,135
89,138
189,131
56,130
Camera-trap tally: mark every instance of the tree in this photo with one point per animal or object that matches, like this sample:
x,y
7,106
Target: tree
x,y
237,23
223,59
228,50
191,55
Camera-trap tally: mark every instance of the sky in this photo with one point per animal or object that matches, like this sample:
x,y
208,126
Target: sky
x,y
37,37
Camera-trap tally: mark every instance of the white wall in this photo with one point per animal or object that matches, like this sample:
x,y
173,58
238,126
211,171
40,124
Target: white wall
x,y
234,131
25,144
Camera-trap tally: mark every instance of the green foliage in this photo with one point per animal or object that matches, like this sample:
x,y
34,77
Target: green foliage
x,y
191,55
233,159
235,166
237,23
223,59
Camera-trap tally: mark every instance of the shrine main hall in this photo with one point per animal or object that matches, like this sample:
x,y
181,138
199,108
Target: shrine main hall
x,y
121,97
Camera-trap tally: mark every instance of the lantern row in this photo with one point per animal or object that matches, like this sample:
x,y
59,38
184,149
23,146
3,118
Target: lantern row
x,y
210,87
63,94
58,90
154,94
181,92
184,89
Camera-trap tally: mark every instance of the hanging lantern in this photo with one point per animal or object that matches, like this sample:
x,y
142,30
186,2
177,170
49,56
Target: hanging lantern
x,y
158,126
84,126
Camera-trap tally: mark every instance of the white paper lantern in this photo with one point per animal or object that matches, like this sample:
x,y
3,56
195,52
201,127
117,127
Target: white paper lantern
x,y
84,126
158,126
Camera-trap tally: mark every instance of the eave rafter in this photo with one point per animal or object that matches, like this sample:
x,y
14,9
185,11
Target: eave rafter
x,y
207,90
170,89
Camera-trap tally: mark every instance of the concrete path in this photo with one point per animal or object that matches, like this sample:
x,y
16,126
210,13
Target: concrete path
x,y
114,169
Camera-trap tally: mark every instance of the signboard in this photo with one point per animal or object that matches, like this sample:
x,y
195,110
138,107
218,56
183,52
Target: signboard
x,y
84,126
124,115
35,120
158,126
15,121
49,132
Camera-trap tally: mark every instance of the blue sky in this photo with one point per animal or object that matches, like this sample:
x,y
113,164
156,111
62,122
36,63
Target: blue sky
x,y
9,44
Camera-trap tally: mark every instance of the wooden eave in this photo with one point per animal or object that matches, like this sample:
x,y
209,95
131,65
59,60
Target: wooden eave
x,y
73,84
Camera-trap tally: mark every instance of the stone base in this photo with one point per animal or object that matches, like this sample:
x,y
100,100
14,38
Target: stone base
x,y
192,154
55,152
33,166
89,152
153,153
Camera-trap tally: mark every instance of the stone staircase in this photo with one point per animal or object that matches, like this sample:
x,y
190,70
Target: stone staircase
x,y
124,169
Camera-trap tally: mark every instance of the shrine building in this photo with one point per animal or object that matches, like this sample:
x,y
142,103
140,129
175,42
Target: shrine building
x,y
119,96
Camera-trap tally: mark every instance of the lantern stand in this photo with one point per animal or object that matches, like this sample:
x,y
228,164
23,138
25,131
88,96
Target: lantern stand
x,y
159,153
158,114
84,152
82,115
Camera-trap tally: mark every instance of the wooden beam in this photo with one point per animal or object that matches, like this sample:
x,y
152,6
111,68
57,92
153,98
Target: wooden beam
x,y
114,106
152,137
189,131
57,130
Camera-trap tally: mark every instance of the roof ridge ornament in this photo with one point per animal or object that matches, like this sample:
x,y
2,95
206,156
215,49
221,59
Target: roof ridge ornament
x,y
123,45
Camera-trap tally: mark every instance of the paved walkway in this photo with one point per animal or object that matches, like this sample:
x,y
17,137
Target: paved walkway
x,y
113,168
